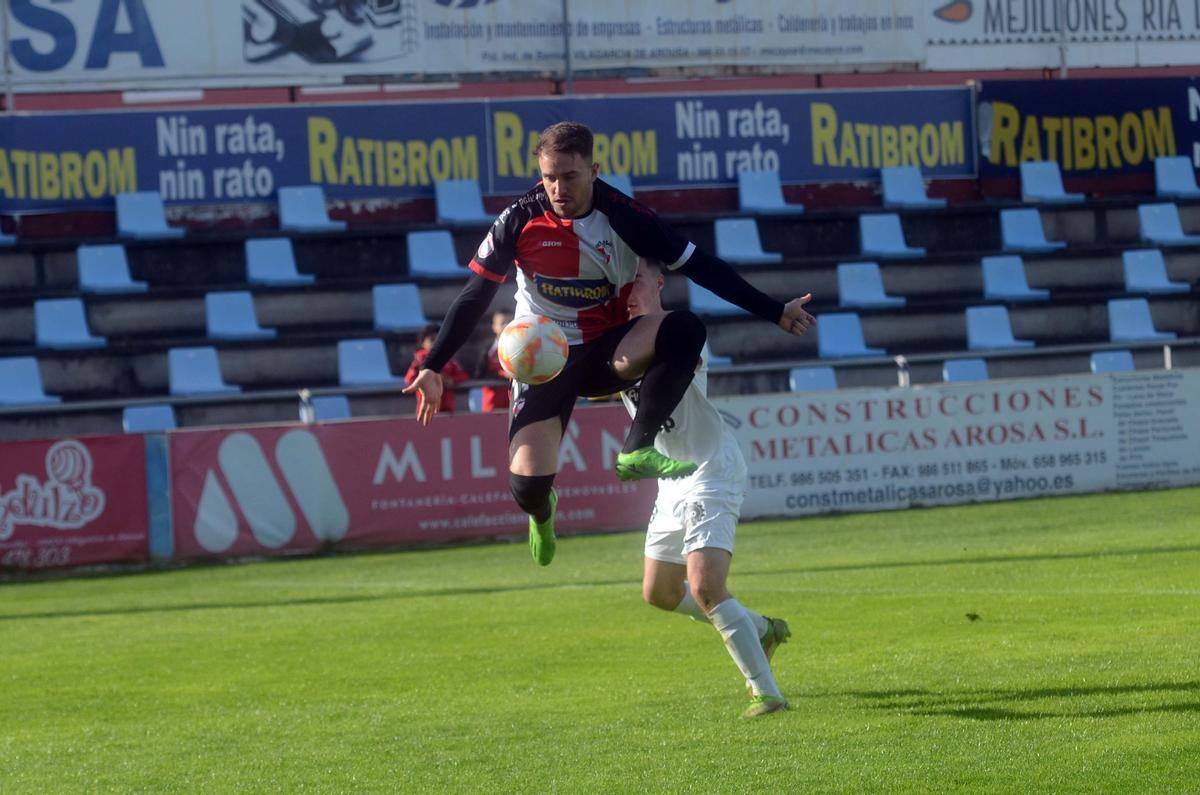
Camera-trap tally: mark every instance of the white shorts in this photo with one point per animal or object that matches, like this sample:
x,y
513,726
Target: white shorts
x,y
700,511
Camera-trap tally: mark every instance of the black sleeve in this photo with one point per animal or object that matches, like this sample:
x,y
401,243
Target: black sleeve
x,y
461,320
717,276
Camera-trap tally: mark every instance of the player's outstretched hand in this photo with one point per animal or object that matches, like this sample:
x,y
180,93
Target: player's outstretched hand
x,y
428,386
795,320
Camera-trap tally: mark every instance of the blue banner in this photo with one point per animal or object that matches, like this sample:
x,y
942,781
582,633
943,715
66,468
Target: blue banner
x,y
397,151
1089,127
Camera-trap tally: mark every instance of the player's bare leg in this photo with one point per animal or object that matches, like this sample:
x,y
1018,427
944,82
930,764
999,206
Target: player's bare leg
x,y
533,463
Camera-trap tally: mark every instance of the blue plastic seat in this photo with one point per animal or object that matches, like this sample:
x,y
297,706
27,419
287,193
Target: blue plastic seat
x,y
1004,280
761,193
431,255
1160,225
302,209
715,360
364,362
1146,272
1129,320
1174,178
840,336
1021,231
397,307
271,261
1112,362
61,323
21,383
882,236
1041,181
704,302
621,182
231,316
989,329
460,203
738,242
331,407
958,370
475,400
811,379
140,215
7,240
105,269
197,371
148,418
861,285
903,187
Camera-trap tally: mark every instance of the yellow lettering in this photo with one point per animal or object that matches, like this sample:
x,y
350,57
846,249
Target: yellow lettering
x,y
349,166
1133,144
890,146
1031,142
6,186
72,175
51,185
1085,143
824,134
908,145
645,153
322,145
1006,124
1106,142
954,149
929,145
395,163
418,160
510,160
94,175
439,160
465,152
849,152
1160,135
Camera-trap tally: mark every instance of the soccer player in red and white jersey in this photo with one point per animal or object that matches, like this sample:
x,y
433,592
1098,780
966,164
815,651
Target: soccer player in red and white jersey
x,y
575,242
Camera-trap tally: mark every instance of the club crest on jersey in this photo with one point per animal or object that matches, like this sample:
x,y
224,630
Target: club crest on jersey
x,y
575,293
605,249
485,248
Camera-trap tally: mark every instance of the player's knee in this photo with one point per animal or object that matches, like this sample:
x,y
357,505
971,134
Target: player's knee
x,y
658,596
708,594
682,332
532,492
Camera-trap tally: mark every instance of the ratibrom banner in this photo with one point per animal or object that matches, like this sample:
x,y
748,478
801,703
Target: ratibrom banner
x,y
77,45
398,150
866,450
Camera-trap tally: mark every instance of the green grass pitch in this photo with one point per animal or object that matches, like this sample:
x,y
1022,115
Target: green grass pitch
x,y
471,670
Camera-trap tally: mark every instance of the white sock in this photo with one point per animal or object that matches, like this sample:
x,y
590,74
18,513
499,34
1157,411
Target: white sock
x,y
737,629
687,605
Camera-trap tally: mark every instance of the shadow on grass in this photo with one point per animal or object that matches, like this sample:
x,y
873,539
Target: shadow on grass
x,y
989,705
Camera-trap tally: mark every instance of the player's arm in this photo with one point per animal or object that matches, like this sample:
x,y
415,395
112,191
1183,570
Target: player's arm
x,y
717,276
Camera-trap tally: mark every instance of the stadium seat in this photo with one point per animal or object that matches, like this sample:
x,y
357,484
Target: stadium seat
x,y
989,329
761,193
61,323
7,239
1160,225
1021,231
460,203
704,302
302,209
861,285
141,216
21,383
1174,178
1041,181
330,407
475,400
196,371
621,182
397,307
958,370
840,336
1146,272
903,187
882,236
105,269
148,418
716,360
1004,280
431,255
1129,320
811,379
230,316
1112,361
271,262
738,242
364,362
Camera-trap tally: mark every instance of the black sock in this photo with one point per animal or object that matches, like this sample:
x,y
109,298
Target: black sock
x,y
532,493
676,352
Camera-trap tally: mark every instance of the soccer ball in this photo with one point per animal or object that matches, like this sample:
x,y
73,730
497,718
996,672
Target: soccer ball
x,y
532,349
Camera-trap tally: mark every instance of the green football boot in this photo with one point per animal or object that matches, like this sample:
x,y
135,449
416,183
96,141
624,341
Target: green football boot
x,y
765,705
647,462
541,534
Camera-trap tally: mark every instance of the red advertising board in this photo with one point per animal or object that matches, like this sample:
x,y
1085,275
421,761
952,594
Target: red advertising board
x,y
294,488
73,502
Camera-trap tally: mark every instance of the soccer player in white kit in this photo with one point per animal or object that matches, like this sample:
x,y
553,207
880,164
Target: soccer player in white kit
x,y
689,541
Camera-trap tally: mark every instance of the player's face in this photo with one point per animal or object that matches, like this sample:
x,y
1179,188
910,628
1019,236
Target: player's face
x,y
645,296
568,180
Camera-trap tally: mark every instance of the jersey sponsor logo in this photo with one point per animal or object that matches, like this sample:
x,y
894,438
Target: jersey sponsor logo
x,y
485,248
551,244
575,293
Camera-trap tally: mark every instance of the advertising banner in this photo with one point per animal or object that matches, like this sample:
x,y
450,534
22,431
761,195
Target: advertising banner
x,y
104,44
868,450
399,150
296,488
73,502
1090,127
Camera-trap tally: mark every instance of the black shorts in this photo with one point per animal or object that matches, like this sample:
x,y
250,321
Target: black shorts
x,y
588,373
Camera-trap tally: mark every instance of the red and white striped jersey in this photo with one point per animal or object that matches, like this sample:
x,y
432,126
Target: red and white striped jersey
x,y
577,271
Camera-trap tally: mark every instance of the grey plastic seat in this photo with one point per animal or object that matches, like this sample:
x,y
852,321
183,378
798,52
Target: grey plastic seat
x,y
1112,362
989,329
1129,320
302,209
331,407
1041,181
904,187
271,262
21,383
1160,225
148,418
840,336
363,362
459,202
1004,280
61,323
140,215
812,379
1175,178
761,193
397,307
1021,231
1146,272
956,371
197,371
738,242
431,255
105,269
230,315
860,285
882,236
703,301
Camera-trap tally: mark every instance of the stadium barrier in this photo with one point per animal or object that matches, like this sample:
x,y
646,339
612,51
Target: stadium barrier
x,y
296,488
